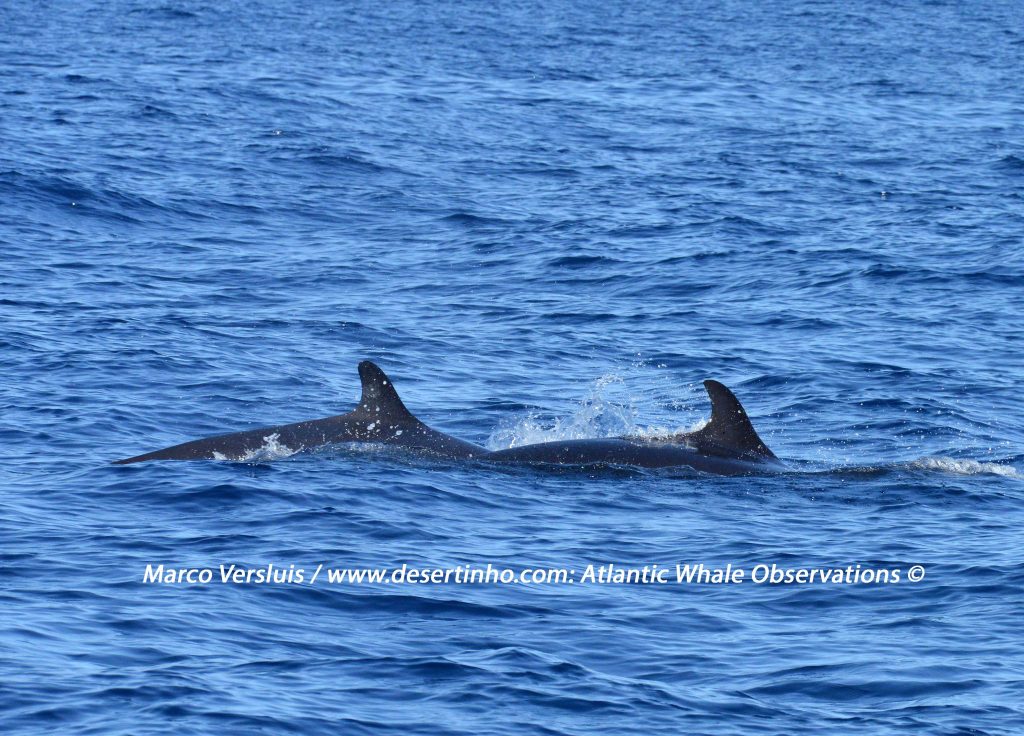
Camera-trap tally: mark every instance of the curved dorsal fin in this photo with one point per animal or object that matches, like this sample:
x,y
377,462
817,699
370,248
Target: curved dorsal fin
x,y
729,430
379,397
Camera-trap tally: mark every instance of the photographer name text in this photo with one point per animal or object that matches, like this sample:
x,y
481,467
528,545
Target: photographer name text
x,y
763,573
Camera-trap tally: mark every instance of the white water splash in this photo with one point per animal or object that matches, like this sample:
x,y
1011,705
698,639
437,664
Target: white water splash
x,y
965,467
271,449
598,415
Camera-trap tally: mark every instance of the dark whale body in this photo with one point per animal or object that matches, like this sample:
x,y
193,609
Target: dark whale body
x,y
654,453
726,445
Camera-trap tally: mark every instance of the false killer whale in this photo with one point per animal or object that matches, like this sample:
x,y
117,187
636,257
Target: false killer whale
x,y
726,445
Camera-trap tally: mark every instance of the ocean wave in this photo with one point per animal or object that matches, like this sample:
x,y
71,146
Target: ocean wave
x,y
965,467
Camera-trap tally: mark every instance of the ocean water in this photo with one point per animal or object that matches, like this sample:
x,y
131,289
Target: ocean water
x,y
543,220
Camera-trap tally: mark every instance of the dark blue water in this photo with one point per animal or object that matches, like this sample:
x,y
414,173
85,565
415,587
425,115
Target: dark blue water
x,y
544,220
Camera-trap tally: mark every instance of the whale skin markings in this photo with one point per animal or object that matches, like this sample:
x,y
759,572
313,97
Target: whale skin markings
x,y
726,445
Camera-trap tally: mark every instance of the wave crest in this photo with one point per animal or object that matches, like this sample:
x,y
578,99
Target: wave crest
x,y
965,467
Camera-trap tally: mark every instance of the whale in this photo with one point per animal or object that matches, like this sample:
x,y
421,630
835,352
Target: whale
x,y
726,445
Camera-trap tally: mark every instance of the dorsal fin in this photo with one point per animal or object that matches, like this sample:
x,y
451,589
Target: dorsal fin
x,y
729,430
379,397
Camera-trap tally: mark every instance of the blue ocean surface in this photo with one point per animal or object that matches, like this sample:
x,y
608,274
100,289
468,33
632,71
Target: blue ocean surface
x,y
544,220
